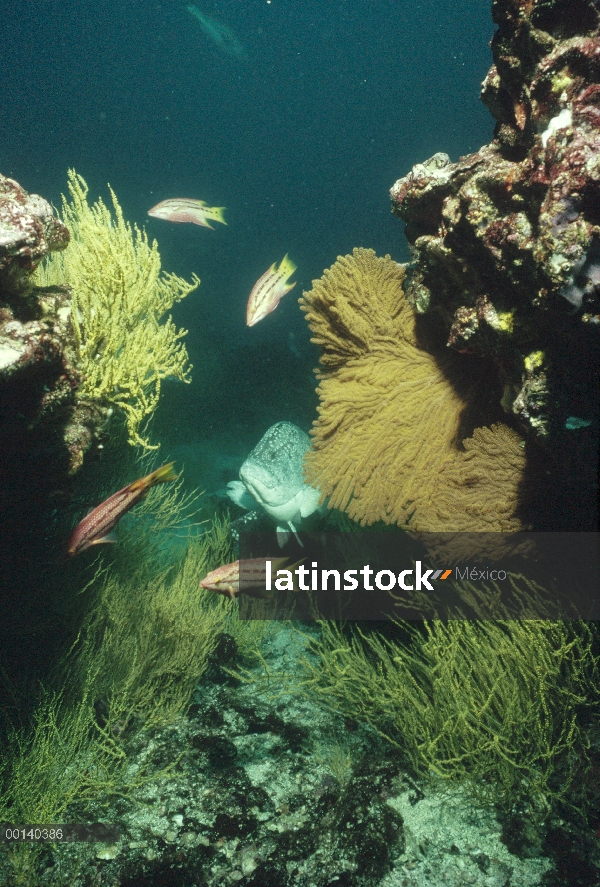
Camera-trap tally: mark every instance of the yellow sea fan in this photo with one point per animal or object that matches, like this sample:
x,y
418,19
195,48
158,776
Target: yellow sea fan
x,y
388,416
387,443
357,306
478,489
120,297
477,500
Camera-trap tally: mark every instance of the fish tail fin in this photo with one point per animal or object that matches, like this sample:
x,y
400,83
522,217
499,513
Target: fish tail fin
x,y
287,266
218,213
160,476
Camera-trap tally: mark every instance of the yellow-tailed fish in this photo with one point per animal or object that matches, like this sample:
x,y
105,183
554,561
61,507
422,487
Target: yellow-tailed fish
x,y
181,209
269,290
95,528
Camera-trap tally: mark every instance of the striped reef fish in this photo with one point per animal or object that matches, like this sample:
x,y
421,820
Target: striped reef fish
x,y
269,290
95,528
226,579
180,209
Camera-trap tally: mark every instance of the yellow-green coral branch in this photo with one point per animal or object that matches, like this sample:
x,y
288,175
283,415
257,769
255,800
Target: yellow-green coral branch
x,y
120,297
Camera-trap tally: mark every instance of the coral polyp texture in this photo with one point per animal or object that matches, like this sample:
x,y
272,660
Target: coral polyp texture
x,y
506,241
392,414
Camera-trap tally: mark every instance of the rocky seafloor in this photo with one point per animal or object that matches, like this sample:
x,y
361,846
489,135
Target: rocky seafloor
x,y
270,790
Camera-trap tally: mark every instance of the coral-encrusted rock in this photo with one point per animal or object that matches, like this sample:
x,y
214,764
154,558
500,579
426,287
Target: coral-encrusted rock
x,y
44,422
38,383
28,232
506,242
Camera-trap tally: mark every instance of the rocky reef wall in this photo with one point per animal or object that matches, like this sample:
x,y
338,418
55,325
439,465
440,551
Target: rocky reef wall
x,y
45,429
41,417
506,241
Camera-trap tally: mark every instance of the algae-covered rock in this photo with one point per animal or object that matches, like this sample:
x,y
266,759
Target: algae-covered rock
x,y
29,231
44,422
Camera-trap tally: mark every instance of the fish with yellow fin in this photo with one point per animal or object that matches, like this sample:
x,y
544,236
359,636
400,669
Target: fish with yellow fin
x,y
269,290
182,209
95,528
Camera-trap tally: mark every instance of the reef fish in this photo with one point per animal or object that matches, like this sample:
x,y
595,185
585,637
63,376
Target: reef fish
x,y
269,290
226,580
272,477
95,528
181,209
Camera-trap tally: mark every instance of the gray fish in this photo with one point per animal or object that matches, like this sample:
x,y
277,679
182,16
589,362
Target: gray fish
x,y
272,477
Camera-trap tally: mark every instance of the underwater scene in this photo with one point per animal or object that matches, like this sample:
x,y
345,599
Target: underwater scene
x,y
299,442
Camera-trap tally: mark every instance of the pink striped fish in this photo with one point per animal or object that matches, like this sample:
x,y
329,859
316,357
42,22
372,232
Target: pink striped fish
x,y
269,290
226,579
95,528
181,209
